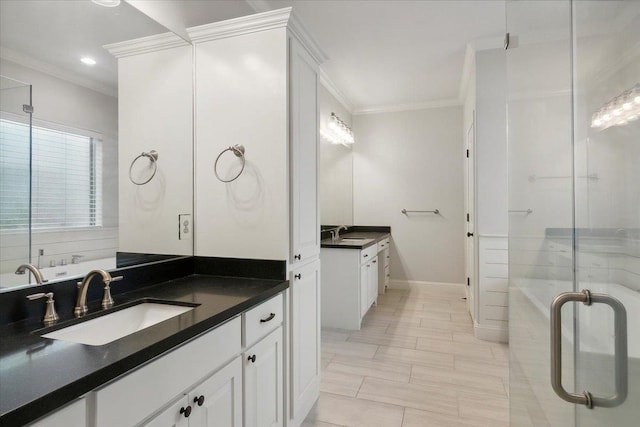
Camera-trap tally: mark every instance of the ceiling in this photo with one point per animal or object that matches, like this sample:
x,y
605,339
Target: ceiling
x,y
383,55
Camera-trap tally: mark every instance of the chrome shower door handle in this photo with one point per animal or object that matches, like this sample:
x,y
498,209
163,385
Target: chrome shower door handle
x,y
620,350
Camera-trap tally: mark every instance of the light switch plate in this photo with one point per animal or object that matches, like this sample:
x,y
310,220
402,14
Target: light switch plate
x,y
185,227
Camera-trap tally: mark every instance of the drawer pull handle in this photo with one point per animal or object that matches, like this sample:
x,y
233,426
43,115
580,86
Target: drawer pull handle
x,y
186,411
199,400
375,261
298,276
365,255
271,316
299,256
252,359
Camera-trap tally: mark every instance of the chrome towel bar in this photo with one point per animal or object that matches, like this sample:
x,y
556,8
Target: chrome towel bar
x,y
435,212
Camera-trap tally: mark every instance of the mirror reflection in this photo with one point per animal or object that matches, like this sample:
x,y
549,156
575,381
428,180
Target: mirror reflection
x,y
59,186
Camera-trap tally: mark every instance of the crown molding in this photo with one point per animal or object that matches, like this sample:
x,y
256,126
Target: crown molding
x,y
57,72
297,29
331,87
452,102
145,45
238,26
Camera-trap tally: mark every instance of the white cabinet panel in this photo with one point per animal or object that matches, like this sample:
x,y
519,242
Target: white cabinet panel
x,y
364,289
263,380
305,219
222,403
74,414
373,282
305,339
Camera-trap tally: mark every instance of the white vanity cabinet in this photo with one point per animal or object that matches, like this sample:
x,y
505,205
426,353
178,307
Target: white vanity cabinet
x,y
215,402
74,414
349,285
384,270
263,367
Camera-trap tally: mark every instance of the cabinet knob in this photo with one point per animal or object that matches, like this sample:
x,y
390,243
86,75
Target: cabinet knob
x,y
469,234
252,358
186,411
271,316
365,255
375,261
199,400
298,276
298,256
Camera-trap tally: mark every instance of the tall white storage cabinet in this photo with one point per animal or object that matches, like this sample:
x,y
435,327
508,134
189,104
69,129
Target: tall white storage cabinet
x,y
256,84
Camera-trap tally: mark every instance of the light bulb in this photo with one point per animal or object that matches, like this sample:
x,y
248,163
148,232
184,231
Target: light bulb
x,y
88,61
606,117
617,112
596,123
627,106
637,99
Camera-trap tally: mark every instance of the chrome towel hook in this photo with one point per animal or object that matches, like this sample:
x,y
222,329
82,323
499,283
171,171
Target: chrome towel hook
x,y
153,157
238,150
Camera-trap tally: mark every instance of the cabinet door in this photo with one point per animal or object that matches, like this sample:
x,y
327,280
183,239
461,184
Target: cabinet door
x,y
305,339
221,397
364,288
263,375
74,414
373,282
173,416
305,222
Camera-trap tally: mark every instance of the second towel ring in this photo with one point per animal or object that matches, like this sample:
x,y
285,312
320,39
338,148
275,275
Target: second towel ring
x,y
153,157
238,150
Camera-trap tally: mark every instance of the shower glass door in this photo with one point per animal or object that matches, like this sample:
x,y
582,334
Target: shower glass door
x,y
574,169
15,178
606,93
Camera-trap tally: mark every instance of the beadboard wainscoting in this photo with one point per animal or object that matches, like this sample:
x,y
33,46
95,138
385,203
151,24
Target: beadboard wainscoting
x,y
493,283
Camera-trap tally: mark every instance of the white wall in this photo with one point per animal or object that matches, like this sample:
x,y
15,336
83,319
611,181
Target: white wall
x,y
61,102
155,94
414,160
336,168
491,143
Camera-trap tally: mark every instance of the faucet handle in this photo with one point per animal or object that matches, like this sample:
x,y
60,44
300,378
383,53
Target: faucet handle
x,y
107,300
50,315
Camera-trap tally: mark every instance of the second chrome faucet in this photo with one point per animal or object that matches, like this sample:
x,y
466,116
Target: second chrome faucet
x,y
81,304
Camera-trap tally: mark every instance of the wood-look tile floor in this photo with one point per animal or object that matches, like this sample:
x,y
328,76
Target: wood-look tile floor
x,y
415,362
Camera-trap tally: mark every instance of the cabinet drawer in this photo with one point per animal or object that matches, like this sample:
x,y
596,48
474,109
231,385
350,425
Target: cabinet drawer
x,y
261,320
383,244
367,254
130,399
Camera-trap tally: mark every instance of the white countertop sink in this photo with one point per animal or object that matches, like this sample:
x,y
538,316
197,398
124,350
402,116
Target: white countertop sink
x,y
110,327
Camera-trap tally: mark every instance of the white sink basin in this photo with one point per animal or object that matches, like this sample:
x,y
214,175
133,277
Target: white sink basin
x,y
355,240
102,330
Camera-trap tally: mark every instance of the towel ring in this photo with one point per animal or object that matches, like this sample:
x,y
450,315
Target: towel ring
x,y
238,150
151,155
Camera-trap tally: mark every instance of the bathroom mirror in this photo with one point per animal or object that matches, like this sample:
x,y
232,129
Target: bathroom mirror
x,y
59,188
336,167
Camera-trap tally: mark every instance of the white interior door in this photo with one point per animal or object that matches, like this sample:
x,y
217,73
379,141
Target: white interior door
x,y
470,215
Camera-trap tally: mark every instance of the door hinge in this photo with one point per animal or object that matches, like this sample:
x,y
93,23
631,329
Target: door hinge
x,y
467,217
468,282
506,41
27,108
467,154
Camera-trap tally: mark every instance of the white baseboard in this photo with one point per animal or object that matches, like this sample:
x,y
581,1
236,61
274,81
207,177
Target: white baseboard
x,y
416,284
491,333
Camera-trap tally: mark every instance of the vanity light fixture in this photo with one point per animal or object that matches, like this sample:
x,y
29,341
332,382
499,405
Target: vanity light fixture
x,y
619,111
107,3
88,61
337,132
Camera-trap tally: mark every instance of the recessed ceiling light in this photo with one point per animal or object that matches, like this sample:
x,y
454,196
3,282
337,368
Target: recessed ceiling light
x,y
88,61
107,3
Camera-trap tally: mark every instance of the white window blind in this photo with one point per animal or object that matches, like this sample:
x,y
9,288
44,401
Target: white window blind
x,y
14,176
66,178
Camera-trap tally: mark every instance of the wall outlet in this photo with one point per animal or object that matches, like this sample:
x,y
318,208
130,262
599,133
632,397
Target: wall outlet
x,y
185,227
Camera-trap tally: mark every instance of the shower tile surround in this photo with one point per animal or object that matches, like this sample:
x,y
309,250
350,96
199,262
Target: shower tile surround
x,y
414,363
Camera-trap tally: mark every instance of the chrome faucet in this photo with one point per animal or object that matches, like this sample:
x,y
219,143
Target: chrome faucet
x,y
335,233
34,270
81,304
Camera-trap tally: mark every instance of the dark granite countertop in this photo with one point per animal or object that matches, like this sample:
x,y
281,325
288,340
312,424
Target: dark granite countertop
x,y
373,237
38,375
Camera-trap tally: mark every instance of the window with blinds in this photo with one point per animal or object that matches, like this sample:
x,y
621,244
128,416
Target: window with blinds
x,y
66,177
